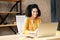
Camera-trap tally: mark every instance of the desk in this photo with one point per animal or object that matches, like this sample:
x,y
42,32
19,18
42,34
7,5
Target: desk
x,y
17,37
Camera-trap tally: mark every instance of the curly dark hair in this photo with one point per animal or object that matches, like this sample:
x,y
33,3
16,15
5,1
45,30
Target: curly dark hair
x,y
29,8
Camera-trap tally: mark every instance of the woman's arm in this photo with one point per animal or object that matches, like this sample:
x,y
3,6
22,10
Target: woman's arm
x,y
26,26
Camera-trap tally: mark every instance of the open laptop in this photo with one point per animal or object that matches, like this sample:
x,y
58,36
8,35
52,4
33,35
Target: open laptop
x,y
45,30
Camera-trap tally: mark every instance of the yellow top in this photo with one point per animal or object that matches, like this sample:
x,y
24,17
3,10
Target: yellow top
x,y
29,25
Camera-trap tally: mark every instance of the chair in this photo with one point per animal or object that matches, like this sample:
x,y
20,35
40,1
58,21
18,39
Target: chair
x,y
19,22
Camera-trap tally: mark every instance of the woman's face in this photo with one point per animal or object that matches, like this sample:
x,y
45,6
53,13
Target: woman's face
x,y
34,12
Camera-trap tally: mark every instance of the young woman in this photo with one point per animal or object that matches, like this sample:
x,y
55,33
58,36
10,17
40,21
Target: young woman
x,y
32,21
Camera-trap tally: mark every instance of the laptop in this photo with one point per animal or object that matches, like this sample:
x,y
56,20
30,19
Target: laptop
x,y
19,21
45,30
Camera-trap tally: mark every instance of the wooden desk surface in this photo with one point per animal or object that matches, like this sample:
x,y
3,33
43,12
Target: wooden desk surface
x,y
17,37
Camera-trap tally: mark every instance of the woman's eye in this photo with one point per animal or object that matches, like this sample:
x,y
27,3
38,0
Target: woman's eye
x,y
33,11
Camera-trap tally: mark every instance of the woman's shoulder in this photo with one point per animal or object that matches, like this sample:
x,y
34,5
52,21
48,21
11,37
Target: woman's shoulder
x,y
27,18
39,19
